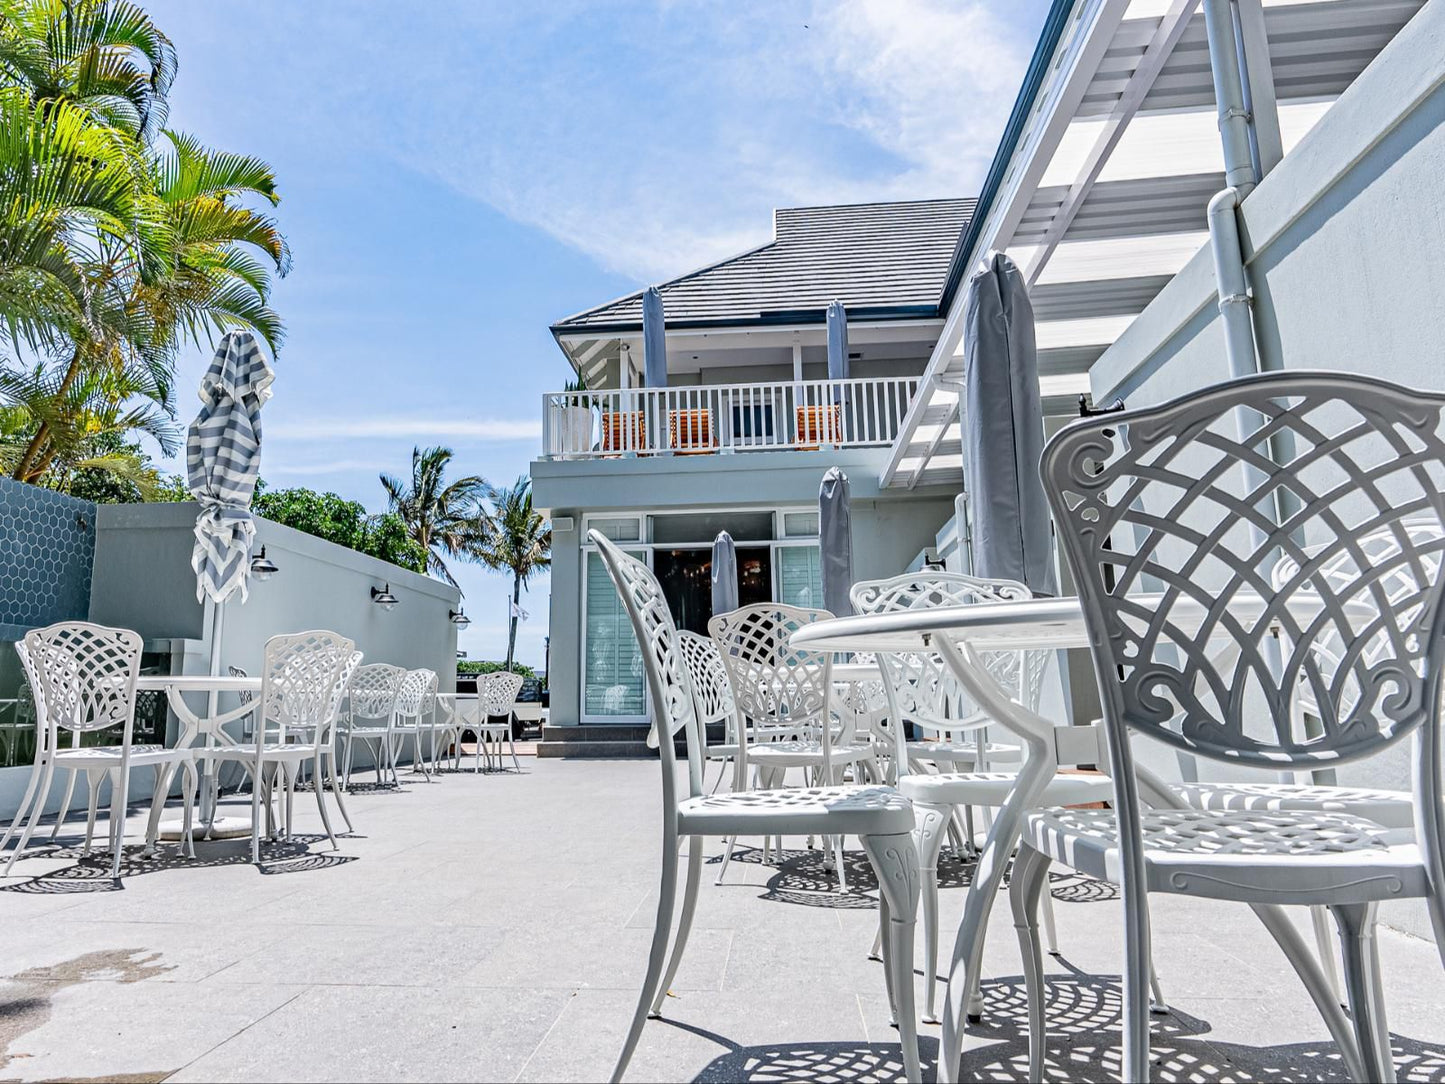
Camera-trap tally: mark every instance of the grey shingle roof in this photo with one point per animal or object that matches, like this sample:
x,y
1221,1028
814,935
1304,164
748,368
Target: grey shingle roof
x,y
880,259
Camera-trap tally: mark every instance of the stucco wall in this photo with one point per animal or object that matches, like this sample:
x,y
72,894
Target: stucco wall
x,y
1344,243
889,527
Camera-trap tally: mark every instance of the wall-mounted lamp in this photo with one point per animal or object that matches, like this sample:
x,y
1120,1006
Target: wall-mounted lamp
x,y
383,598
459,619
262,567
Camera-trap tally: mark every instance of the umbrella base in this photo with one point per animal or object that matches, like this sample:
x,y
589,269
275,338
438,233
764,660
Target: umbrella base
x,y
220,828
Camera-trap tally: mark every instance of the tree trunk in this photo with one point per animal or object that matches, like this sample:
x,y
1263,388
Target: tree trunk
x,y
25,469
512,614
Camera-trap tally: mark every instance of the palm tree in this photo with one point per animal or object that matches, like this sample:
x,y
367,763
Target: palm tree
x,y
518,539
442,517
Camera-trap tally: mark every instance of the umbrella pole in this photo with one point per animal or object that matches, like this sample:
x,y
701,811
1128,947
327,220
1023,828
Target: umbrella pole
x,y
208,779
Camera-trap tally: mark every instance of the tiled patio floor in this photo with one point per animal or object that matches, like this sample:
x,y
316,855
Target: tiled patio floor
x,y
495,928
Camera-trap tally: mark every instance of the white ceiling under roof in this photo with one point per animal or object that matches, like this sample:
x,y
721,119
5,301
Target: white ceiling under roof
x,y
1104,198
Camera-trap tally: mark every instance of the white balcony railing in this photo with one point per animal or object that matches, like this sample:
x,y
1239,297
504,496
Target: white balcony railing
x,y
725,417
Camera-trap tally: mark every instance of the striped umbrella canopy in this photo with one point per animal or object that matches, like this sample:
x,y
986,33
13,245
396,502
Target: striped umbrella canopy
x,y
837,341
724,574
835,542
223,461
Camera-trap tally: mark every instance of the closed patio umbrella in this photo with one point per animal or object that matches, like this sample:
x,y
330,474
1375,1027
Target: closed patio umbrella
x,y
724,574
837,342
1004,430
654,340
835,542
223,462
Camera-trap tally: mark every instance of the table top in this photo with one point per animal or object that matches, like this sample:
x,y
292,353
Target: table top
x,y
221,683
1039,623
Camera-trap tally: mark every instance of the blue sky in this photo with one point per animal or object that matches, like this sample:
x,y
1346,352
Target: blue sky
x,y
457,176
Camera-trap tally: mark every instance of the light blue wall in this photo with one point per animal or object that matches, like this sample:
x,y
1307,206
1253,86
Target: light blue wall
x,y
890,527
1345,241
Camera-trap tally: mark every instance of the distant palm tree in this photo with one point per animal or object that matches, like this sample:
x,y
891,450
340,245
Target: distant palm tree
x,y
442,517
518,539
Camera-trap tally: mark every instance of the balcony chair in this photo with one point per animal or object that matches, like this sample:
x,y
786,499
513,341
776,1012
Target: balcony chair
x,y
878,815
1181,499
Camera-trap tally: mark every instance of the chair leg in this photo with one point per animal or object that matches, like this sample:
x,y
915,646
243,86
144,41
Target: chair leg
x,y
930,834
657,956
321,803
512,744
120,792
727,857
1051,931
64,811
1026,890
35,815
684,922
895,861
1356,923
190,782
92,800
337,788
1137,968
258,784
1325,942
35,773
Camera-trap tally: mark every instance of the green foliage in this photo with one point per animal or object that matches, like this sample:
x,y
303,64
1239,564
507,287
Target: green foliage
x,y
515,538
477,666
114,470
443,518
580,384
346,523
120,242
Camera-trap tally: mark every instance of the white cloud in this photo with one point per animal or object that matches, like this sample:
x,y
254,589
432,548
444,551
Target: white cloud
x,y
656,137
485,429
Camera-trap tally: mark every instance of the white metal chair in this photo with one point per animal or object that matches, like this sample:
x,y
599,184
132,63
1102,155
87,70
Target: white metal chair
x,y
84,678
496,696
785,705
304,677
881,818
713,701
921,689
415,715
370,715
1193,500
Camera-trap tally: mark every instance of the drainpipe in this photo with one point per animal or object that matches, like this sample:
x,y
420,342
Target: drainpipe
x,y
1240,177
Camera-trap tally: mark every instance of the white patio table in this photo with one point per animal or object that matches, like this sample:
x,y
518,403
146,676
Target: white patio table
x,y
212,727
957,634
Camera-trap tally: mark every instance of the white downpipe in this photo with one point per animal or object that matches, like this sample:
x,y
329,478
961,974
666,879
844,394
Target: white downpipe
x,y
1230,94
1229,275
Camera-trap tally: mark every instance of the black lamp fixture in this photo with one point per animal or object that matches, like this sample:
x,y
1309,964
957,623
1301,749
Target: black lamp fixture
x,y
262,567
383,598
459,619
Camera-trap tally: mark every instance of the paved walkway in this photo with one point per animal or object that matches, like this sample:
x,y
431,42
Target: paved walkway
x,y
495,928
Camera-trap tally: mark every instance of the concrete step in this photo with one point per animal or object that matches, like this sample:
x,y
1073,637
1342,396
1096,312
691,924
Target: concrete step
x,y
594,749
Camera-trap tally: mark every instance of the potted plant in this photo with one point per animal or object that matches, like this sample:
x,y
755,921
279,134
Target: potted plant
x,y
574,422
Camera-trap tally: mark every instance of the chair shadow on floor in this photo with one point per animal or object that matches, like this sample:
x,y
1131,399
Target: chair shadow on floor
x,y
91,873
816,1062
1083,1042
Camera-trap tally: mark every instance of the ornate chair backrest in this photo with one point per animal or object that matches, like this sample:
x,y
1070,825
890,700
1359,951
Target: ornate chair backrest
x,y
84,676
663,666
417,695
497,692
775,685
1194,501
919,685
712,695
27,708
1380,549
373,690
303,678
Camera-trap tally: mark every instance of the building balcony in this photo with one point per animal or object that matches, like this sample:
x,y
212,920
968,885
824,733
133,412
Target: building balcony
x,y
715,419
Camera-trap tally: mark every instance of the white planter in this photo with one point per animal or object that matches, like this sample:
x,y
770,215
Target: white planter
x,y
574,430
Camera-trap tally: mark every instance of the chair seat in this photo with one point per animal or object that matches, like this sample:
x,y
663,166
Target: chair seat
x,y
365,731
804,754
853,811
1390,808
1286,858
991,788
963,751
722,752
109,756
271,751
